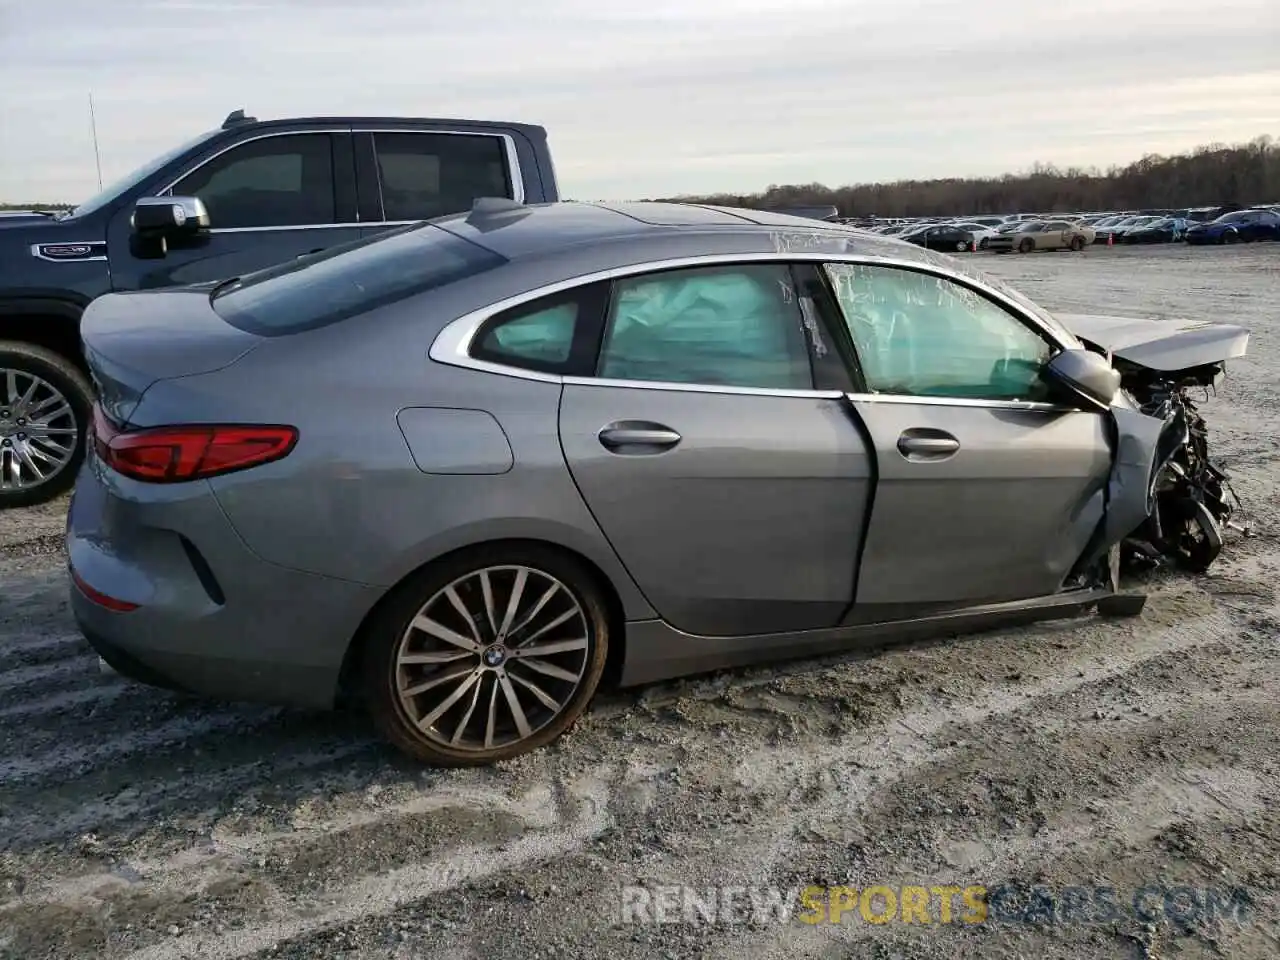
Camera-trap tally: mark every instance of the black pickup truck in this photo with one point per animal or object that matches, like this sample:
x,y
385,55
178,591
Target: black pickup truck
x,y
247,195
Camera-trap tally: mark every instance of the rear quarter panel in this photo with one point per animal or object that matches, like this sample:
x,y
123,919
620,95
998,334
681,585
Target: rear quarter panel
x,y
350,501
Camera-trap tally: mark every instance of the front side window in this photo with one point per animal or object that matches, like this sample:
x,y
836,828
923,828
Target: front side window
x,y
279,181
426,175
926,336
732,325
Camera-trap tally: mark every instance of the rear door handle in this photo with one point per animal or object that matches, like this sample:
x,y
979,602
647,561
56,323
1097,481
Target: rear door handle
x,y
927,444
641,436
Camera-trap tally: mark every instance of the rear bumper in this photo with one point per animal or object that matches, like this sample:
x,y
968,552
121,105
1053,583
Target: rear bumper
x,y
211,618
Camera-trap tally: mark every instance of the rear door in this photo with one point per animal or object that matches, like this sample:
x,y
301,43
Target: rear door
x,y
985,490
733,491
271,198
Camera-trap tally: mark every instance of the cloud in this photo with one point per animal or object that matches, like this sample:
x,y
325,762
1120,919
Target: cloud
x,y
656,97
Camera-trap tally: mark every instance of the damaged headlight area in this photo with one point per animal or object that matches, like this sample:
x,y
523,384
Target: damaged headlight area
x,y
1190,495
1187,503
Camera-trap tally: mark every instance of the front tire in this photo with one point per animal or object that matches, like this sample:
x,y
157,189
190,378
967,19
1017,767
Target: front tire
x,y
1026,245
487,655
45,404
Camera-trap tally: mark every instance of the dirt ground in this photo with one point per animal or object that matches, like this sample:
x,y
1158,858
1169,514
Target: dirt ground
x,y
1131,754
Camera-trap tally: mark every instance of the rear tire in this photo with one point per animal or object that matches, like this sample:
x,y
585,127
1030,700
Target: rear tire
x,y
469,692
45,402
1077,244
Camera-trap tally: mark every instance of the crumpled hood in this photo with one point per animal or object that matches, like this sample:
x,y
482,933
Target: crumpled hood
x,y
1164,345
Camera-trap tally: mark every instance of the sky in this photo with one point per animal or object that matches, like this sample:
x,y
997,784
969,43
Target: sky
x,y
653,98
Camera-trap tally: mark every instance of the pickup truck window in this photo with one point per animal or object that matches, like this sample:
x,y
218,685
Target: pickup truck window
x,y
425,175
349,279
277,181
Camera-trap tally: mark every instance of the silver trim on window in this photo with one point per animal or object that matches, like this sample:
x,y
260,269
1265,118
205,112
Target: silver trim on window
x,y
452,346
509,150
353,225
677,385
1031,405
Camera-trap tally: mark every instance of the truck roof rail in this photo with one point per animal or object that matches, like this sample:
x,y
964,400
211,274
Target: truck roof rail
x,y
235,118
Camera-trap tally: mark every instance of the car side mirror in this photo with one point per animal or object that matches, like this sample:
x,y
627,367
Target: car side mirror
x,y
169,216
158,221
1088,375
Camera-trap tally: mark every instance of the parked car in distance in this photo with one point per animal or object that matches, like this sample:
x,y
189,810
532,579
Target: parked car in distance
x,y
1240,226
1043,235
981,232
942,236
246,195
527,429
1161,230
1116,230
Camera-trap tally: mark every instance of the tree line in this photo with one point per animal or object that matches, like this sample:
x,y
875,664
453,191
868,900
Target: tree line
x,y
1246,174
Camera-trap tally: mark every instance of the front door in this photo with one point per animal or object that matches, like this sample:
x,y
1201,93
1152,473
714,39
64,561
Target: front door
x,y
986,491
270,199
732,490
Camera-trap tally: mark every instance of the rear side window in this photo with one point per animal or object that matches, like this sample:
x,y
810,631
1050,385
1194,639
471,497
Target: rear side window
x,y
555,334
350,279
427,175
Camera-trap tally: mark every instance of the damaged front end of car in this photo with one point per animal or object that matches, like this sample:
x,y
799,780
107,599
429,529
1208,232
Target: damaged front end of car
x,y
1188,499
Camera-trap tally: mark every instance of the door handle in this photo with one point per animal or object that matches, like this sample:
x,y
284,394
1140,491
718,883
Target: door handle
x,y
925,444
635,433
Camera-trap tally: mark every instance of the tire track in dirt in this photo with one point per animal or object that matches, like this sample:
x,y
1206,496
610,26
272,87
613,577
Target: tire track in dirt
x,y
857,765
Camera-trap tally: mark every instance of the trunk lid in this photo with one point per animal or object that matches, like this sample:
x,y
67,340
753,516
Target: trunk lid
x,y
132,340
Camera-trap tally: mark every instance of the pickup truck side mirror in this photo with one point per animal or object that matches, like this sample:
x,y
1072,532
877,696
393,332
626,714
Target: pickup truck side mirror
x,y
158,221
171,216
1088,375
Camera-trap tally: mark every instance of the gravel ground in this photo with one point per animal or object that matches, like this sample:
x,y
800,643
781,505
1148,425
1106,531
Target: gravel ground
x,y
138,824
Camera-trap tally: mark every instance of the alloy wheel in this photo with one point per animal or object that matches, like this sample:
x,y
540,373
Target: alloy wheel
x,y
492,658
38,430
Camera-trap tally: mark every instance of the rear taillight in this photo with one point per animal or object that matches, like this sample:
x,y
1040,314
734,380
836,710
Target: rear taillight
x,y
188,452
100,598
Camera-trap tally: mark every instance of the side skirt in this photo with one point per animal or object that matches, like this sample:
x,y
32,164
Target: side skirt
x,y
657,651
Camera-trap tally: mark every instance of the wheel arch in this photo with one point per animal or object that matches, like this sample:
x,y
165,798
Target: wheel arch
x,y
49,322
349,672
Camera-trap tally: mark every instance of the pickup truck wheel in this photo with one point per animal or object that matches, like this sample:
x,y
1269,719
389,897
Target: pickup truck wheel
x,y
45,403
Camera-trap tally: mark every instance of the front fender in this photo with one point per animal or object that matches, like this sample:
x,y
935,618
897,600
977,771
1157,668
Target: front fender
x,y
1136,442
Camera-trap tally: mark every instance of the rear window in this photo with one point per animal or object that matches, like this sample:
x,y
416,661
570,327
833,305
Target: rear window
x,y
349,279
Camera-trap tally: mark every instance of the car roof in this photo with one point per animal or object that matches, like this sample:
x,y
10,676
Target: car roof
x,y
643,230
